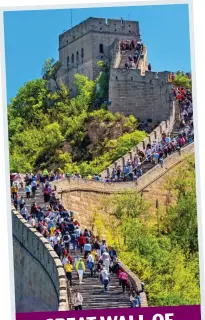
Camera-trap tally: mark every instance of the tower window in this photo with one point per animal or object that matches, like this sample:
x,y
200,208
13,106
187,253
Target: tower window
x,y
77,57
73,58
82,53
101,48
68,61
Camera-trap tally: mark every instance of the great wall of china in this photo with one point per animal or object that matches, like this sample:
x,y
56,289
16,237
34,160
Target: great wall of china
x,y
43,284
42,267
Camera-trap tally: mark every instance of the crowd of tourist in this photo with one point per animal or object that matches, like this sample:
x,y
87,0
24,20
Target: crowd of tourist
x,y
132,45
172,75
76,247
155,153
126,45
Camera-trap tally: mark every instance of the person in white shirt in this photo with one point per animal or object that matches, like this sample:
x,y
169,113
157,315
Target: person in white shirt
x,y
77,300
78,232
56,238
64,261
50,240
106,260
104,275
32,221
103,246
24,212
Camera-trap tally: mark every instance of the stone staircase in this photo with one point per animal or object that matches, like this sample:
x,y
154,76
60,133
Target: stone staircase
x,y
125,55
91,289
39,198
93,293
146,166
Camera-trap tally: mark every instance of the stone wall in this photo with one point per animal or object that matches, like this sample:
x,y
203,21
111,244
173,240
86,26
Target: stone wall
x,y
153,189
145,97
40,281
100,25
83,41
84,197
164,126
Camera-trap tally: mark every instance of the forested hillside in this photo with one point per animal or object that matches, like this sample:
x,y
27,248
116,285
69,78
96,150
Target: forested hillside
x,y
55,131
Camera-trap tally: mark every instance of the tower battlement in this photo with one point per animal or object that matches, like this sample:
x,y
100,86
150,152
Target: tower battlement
x,y
144,94
100,25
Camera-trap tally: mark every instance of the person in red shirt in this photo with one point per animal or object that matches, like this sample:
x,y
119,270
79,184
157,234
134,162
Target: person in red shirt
x,y
179,96
123,277
81,242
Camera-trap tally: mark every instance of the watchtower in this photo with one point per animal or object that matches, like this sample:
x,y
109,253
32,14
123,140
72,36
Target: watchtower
x,y
90,41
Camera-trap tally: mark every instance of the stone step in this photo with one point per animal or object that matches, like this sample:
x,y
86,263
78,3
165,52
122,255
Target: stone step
x,y
91,289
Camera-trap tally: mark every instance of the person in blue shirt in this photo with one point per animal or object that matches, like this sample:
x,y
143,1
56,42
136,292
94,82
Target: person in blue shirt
x,y
87,248
74,240
28,192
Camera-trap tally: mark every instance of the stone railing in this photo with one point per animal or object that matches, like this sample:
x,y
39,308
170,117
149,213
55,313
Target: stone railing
x,y
42,254
64,185
143,62
135,283
156,172
115,54
156,134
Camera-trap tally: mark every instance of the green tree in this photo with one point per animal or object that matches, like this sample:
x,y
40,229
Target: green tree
x,y
182,80
50,70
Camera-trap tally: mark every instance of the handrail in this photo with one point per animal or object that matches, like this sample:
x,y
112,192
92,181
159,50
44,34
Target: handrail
x,y
154,153
170,168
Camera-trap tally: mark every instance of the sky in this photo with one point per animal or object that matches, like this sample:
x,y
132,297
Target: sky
x,y
32,36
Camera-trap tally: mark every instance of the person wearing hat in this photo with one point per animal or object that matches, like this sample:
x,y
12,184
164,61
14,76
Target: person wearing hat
x,y
77,300
66,240
80,267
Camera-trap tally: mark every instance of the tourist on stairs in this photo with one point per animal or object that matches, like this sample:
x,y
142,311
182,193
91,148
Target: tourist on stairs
x,y
133,300
123,277
80,267
104,277
90,261
81,242
106,259
68,269
87,248
66,240
77,300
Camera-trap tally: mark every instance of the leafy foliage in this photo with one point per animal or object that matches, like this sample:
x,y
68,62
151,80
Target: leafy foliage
x,y
166,259
52,130
182,80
